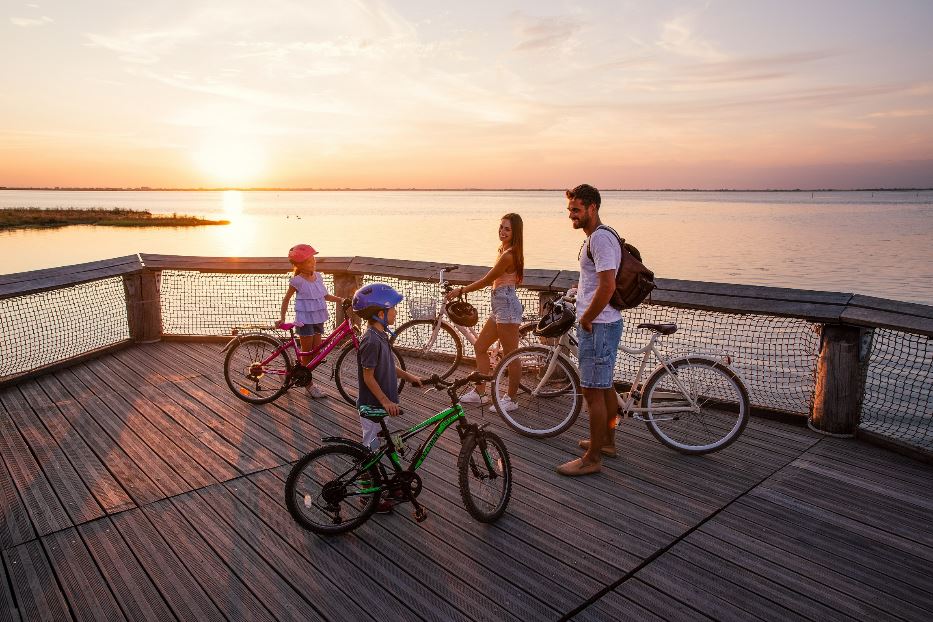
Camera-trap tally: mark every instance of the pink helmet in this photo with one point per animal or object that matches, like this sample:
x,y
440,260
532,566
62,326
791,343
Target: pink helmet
x,y
300,253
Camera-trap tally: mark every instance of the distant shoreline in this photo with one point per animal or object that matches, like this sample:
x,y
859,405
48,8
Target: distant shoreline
x,y
39,218
225,189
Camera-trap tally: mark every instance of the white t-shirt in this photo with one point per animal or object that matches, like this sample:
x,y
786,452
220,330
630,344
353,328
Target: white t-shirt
x,y
607,255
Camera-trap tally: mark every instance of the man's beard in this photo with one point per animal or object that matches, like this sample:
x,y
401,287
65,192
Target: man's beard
x,y
581,222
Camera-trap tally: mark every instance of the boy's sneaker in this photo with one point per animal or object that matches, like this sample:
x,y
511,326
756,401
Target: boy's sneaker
x,y
315,392
506,404
384,507
472,397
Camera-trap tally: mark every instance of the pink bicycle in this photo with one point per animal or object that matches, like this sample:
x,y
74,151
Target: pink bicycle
x,y
259,369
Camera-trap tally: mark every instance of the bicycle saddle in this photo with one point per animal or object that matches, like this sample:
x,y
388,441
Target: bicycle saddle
x,y
372,413
664,329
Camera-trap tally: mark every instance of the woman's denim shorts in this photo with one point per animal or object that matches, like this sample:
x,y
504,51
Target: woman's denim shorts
x,y
598,352
506,307
311,329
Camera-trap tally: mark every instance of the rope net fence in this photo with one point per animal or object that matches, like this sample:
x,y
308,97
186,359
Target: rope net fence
x,y
776,356
199,303
45,328
898,397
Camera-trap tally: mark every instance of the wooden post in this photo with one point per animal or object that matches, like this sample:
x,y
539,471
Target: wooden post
x,y
839,380
144,305
345,285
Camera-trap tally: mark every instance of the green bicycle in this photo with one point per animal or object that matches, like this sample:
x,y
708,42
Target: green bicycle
x,y
337,487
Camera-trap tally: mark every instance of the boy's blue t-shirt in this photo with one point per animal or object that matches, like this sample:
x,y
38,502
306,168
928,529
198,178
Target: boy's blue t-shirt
x,y
376,354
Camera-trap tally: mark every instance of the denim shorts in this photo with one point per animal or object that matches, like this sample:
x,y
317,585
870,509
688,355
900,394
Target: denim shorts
x,y
311,329
598,352
506,307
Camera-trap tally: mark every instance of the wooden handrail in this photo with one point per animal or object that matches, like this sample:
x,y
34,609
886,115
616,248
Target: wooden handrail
x,y
36,281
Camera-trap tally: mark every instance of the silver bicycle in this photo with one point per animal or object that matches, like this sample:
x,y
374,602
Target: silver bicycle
x,y
433,344
694,404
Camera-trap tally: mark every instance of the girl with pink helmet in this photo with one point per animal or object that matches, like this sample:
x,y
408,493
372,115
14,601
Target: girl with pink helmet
x,y
310,302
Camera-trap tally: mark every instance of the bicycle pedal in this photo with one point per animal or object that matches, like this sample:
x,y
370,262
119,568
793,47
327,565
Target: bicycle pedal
x,y
420,514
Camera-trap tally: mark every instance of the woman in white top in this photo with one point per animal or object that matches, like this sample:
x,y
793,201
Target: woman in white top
x,y
507,309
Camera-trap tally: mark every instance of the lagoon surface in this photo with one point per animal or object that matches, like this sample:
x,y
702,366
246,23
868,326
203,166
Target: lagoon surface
x,y
876,243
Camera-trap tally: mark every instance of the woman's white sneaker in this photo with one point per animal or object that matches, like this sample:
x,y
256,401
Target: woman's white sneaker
x,y
506,404
472,397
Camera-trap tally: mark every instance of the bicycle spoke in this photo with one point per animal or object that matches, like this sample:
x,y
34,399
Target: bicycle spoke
x,y
548,398
714,406
485,477
328,491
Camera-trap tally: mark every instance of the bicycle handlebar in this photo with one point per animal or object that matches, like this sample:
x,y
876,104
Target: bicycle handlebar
x,y
452,387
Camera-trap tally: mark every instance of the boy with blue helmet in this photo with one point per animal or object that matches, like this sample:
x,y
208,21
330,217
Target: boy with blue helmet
x,y
377,370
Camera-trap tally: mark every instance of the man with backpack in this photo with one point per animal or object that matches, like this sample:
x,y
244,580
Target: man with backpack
x,y
599,328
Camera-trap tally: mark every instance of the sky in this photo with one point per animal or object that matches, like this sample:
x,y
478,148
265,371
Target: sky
x,y
481,94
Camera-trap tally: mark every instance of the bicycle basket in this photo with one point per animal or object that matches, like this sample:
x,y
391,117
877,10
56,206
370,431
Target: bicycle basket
x,y
422,308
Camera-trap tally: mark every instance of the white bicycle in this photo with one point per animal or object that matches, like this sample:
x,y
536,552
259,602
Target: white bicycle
x,y
694,404
432,343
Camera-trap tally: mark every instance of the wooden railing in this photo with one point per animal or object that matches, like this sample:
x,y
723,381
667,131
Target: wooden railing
x,y
844,321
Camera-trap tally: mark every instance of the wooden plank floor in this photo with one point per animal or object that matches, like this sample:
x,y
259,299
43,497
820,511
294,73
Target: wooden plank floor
x,y
136,486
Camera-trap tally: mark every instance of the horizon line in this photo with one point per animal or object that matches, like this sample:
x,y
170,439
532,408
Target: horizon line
x,y
413,189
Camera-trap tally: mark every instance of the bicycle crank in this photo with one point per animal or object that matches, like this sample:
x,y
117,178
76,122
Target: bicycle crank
x,y
420,513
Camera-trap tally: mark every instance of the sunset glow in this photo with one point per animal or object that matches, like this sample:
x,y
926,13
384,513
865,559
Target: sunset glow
x,y
325,94
228,163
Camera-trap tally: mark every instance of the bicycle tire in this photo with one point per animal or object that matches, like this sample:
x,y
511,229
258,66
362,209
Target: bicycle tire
x,y
271,383
346,373
411,341
477,474
315,485
551,411
723,405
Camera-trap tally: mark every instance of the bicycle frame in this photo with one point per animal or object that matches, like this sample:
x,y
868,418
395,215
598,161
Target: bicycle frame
x,y
441,421
626,400
318,354
468,333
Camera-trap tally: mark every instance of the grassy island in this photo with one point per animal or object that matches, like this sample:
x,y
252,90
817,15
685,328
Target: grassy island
x,y
33,217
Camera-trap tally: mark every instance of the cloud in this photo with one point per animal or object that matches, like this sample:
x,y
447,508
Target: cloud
x,y
30,22
902,114
141,47
541,33
678,37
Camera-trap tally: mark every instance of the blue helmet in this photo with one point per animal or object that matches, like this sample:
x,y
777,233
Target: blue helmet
x,y
370,299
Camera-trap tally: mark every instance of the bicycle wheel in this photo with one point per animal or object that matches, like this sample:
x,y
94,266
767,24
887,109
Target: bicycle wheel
x,y
548,404
485,476
717,420
423,357
347,374
328,492
248,378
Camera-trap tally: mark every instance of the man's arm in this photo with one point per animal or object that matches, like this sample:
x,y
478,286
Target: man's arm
x,y
607,285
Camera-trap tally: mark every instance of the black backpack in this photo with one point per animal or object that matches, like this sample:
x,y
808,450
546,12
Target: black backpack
x,y
634,281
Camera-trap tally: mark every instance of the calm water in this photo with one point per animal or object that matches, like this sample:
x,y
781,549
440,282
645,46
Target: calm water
x,y
877,243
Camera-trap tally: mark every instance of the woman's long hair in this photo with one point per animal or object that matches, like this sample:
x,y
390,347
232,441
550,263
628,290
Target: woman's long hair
x,y
518,243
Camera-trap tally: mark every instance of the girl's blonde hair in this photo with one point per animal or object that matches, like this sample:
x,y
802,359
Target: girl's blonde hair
x,y
518,243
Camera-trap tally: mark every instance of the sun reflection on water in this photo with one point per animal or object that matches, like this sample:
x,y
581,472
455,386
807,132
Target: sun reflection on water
x,y
233,203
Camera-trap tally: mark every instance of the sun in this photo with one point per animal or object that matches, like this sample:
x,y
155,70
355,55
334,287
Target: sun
x,y
230,163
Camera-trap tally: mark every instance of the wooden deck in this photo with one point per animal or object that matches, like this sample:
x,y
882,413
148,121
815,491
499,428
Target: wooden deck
x,y
135,486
